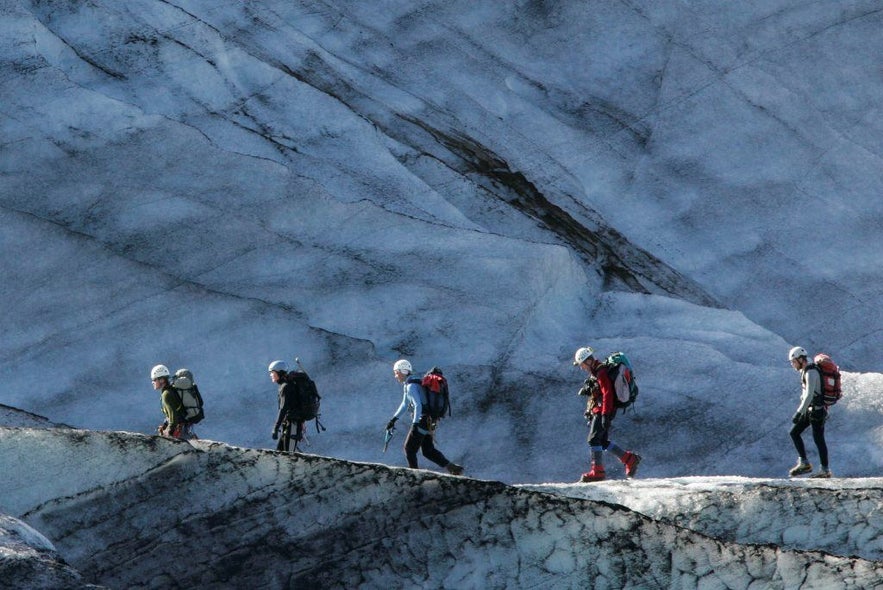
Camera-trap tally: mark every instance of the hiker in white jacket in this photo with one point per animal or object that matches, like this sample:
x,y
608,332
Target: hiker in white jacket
x,y
810,412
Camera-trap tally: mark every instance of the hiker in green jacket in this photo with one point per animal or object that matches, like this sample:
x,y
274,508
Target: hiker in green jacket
x,y
172,406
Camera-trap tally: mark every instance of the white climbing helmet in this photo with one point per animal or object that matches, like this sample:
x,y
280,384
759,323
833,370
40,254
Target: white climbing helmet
x,y
402,366
581,354
159,371
278,366
796,353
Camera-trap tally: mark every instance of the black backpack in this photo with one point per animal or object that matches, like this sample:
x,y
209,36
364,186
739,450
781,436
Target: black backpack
x,y
438,397
308,401
188,393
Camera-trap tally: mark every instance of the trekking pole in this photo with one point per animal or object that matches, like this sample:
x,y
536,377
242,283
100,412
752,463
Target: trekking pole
x,y
387,438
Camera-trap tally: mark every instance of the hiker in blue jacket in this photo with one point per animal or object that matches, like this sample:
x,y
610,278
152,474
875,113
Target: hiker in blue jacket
x,y
420,435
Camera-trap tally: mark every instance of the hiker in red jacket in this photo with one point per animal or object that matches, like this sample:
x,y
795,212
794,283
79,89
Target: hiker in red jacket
x,y
600,410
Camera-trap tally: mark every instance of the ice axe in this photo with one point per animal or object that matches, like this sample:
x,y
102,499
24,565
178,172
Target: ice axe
x,y
388,437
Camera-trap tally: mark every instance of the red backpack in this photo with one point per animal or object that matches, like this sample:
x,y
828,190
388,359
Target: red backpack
x,y
830,374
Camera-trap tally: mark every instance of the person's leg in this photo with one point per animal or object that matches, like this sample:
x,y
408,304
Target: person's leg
x,y
615,450
298,434
285,438
432,453
803,465
627,458
818,436
412,445
597,442
796,431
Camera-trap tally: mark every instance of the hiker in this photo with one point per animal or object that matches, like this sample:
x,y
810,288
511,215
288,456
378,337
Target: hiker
x,y
288,400
420,436
174,425
811,412
600,411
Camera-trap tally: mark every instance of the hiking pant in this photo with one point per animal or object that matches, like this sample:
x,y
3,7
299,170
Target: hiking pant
x,y
818,435
421,439
285,438
599,431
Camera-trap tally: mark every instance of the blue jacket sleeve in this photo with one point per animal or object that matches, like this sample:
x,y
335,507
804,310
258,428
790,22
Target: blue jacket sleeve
x,y
411,398
415,392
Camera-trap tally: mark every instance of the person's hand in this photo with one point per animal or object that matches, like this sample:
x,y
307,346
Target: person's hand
x,y
391,424
275,434
796,418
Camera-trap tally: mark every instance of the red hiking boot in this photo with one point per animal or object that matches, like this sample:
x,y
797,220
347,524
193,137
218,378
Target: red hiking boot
x,y
630,460
595,474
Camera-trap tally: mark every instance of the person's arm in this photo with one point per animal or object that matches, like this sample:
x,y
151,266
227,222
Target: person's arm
x,y
415,395
171,407
402,406
814,387
285,394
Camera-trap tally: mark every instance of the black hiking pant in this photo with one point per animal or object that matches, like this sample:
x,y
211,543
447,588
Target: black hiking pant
x,y
417,441
818,435
599,431
284,443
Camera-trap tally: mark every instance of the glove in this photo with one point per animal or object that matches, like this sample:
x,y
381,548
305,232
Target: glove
x,y
796,418
391,424
275,434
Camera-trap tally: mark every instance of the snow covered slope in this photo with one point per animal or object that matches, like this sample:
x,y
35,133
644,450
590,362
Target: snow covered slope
x,y
839,516
257,519
481,186
28,561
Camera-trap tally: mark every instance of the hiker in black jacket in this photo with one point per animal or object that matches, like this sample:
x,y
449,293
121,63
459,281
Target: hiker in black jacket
x,y
289,398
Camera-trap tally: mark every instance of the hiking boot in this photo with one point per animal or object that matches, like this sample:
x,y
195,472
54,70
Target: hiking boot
x,y
454,469
800,469
595,474
824,473
630,460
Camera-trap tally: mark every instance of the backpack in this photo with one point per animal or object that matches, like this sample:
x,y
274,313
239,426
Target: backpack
x,y
188,393
438,399
308,400
830,376
618,364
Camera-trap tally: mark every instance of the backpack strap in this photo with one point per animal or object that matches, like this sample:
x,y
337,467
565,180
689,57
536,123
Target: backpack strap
x,y
818,399
419,381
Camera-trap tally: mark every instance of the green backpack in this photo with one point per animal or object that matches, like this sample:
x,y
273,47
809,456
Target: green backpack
x,y
618,364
